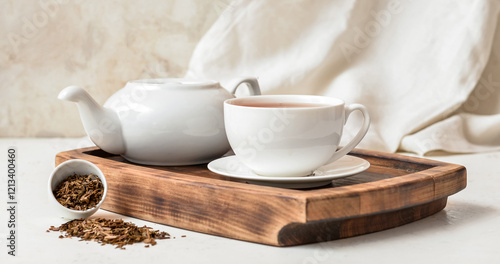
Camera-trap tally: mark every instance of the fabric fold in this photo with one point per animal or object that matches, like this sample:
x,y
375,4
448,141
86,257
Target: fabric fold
x,y
418,66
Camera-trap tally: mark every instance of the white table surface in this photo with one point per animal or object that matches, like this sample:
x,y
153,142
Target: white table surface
x,y
466,231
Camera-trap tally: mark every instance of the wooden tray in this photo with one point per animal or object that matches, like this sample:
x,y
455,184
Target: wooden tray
x,y
394,191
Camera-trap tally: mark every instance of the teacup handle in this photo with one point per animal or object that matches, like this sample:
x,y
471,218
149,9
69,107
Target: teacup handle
x,y
251,81
359,136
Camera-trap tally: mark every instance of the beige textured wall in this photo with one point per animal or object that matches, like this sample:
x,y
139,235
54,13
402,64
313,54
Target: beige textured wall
x,y
46,45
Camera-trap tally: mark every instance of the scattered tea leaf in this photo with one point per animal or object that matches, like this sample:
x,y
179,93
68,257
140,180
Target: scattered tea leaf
x,y
110,231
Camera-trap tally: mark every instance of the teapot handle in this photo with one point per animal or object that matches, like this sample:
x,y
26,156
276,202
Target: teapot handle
x,y
252,82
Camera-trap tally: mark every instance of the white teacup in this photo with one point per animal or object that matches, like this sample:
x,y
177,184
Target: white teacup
x,y
289,135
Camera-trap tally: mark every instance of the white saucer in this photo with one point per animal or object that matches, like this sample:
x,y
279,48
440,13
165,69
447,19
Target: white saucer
x,y
346,166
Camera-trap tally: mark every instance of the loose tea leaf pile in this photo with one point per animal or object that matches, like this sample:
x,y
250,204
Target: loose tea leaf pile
x,y
109,231
79,192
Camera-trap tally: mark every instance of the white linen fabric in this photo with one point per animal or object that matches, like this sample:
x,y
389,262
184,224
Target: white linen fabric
x,y
428,71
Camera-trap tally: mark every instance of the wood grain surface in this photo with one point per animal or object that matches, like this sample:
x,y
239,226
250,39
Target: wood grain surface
x,y
395,190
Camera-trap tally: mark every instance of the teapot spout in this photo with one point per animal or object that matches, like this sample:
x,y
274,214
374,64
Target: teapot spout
x,y
101,124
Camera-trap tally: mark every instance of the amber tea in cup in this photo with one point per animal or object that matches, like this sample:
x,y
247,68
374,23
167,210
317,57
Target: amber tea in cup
x,y
289,135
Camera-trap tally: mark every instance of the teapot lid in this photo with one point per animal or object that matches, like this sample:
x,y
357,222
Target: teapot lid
x,y
175,82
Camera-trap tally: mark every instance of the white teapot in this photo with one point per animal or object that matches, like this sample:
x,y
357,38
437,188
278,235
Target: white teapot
x,y
163,122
